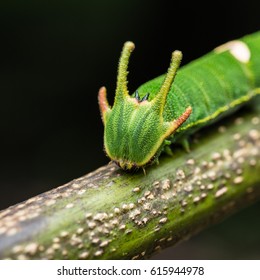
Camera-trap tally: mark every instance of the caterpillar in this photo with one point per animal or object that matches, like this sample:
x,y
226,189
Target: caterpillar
x,y
167,109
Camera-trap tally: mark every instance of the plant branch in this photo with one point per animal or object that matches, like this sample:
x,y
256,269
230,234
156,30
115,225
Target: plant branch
x,y
108,214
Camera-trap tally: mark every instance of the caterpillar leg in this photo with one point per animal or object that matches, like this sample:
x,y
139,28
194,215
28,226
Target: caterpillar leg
x,y
168,151
185,144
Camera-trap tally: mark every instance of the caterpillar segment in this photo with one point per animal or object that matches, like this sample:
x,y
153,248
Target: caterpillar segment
x,y
167,109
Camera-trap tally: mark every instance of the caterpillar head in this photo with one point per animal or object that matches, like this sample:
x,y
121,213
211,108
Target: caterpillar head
x,y
135,131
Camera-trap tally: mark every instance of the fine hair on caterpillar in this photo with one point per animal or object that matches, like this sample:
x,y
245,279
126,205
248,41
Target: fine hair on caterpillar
x,y
167,109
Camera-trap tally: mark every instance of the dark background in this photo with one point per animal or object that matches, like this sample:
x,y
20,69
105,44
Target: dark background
x,y
55,55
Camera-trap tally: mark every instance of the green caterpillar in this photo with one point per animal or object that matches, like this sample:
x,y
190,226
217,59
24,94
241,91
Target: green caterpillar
x,y
140,126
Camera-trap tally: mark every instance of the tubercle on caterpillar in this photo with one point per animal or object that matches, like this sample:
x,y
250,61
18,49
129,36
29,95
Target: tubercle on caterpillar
x,y
135,131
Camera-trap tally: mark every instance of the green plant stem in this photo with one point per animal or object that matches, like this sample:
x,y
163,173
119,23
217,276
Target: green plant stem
x,y
108,214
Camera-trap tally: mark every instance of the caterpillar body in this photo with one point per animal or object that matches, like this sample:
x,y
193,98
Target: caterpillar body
x,y
140,126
